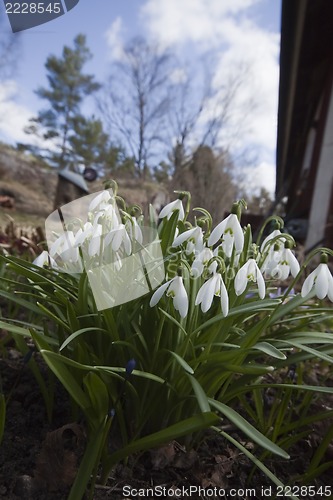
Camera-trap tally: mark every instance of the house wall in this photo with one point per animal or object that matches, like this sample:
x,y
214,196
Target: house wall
x,y
320,206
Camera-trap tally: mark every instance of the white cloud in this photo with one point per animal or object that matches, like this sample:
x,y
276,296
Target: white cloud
x,y
225,27
114,39
172,21
262,175
14,117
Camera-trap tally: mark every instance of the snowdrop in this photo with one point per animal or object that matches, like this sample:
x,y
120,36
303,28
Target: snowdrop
x,y
321,280
201,260
44,259
170,208
64,246
100,201
272,235
118,236
194,239
134,230
285,263
232,233
249,272
213,286
174,288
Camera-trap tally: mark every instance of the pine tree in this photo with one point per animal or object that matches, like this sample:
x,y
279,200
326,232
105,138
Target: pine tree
x,y
68,86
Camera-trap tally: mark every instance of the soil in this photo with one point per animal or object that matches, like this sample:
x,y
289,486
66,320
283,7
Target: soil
x,y
39,459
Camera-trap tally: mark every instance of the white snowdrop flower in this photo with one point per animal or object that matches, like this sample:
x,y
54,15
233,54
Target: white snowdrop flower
x,y
170,208
249,272
322,281
287,264
134,230
95,242
109,216
83,234
280,242
213,286
194,239
232,233
100,201
201,260
117,237
44,259
270,266
174,288
64,247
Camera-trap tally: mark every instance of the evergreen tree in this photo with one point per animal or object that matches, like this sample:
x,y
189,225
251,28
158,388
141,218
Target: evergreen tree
x,y
68,86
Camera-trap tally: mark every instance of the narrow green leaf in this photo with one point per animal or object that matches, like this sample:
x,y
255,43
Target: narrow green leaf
x,y
247,428
182,362
254,459
200,395
183,428
316,353
269,349
265,304
78,333
66,378
90,460
98,395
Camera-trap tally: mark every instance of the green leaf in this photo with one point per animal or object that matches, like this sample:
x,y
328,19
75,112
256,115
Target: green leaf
x,y
14,297
258,305
90,460
57,365
314,352
183,428
98,395
254,459
182,362
247,428
270,350
78,333
200,395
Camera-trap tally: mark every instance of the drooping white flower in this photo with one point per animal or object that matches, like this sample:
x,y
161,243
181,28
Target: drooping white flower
x,y
201,259
64,247
322,281
281,265
117,237
44,259
134,230
170,208
95,242
100,201
109,216
279,242
83,234
174,288
232,233
213,286
249,272
194,239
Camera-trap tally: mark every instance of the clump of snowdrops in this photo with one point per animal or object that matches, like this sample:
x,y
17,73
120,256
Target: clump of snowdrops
x,y
181,357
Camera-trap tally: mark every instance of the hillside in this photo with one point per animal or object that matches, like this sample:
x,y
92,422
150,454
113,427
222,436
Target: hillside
x,y
28,187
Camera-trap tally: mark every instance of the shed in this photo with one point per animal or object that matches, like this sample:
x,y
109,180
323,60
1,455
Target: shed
x,y
71,185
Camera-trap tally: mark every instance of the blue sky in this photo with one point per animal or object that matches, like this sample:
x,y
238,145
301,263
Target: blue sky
x,y
237,30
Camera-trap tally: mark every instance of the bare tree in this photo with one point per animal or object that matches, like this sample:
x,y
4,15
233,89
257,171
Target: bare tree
x,y
136,100
9,44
